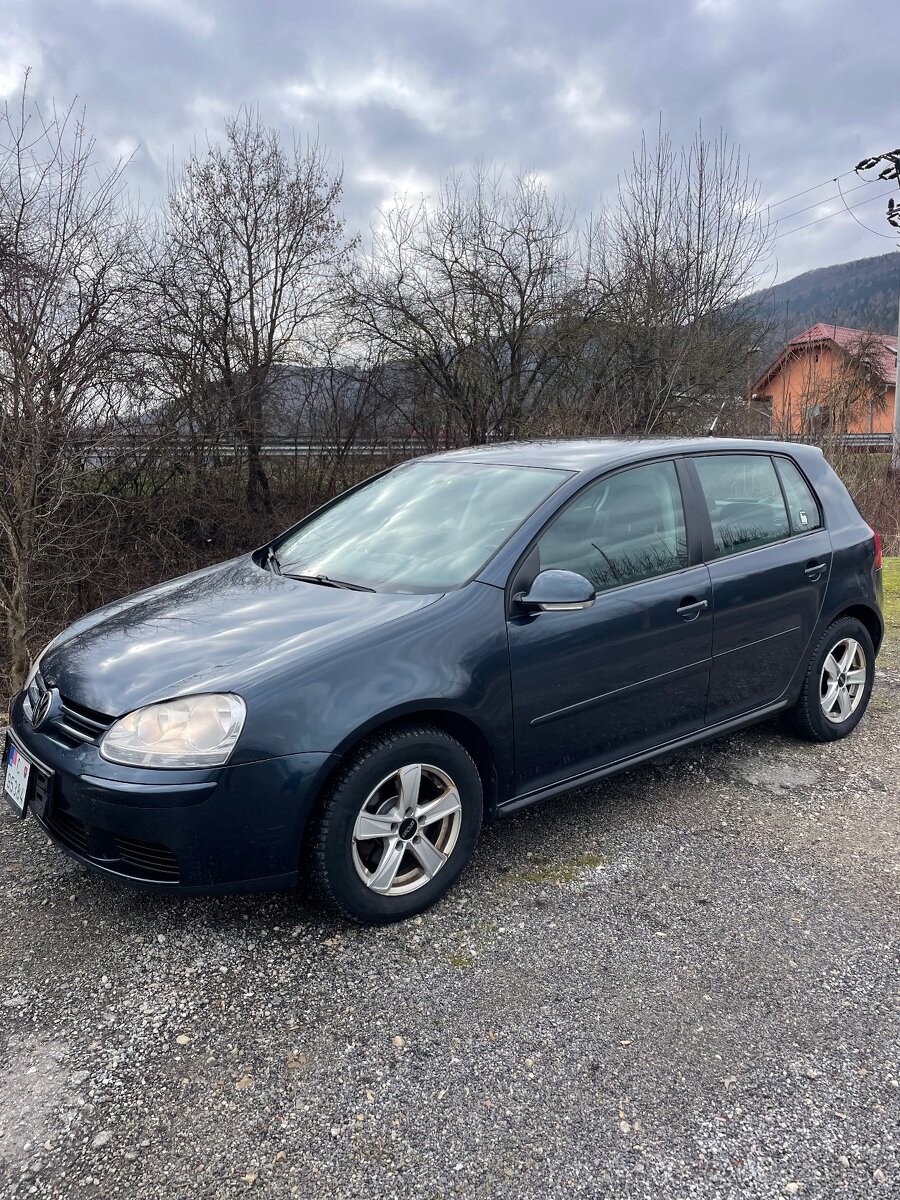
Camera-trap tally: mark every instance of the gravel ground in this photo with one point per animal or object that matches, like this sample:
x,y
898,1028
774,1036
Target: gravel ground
x,y
681,983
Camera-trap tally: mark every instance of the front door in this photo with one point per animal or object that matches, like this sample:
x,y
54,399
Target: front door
x,y
594,685
769,562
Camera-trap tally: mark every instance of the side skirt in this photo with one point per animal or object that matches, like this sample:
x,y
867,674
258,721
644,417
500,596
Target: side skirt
x,y
622,764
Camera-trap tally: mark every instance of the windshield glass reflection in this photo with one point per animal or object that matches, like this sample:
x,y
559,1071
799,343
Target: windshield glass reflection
x,y
424,527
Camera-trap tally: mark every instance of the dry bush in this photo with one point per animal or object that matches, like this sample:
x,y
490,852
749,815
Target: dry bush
x,y
875,489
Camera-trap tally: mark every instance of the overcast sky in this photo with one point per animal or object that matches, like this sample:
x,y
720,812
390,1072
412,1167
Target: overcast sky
x,y
403,91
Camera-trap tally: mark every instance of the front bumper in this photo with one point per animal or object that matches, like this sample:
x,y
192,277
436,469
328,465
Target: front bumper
x,y
227,829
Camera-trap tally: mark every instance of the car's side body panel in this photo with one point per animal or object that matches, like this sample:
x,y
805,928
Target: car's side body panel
x,y
853,581
766,609
614,678
767,621
454,660
767,602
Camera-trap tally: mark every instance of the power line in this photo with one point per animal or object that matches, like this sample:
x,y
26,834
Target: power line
x,y
862,224
828,199
828,216
806,191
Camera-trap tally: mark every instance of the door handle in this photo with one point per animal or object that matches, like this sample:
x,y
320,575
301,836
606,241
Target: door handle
x,y
814,570
690,610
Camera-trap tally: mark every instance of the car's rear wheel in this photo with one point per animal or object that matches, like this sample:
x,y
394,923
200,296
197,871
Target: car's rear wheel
x,y
838,683
398,825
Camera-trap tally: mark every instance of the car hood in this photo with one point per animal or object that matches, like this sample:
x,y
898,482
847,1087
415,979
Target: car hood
x,y
218,629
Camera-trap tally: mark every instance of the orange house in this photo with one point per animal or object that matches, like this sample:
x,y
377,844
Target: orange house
x,y
830,379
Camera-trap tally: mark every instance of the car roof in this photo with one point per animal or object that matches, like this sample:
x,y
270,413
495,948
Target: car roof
x,y
588,454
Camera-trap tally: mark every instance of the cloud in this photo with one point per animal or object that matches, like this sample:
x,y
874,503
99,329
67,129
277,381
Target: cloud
x,y
19,51
186,15
406,91
583,100
393,86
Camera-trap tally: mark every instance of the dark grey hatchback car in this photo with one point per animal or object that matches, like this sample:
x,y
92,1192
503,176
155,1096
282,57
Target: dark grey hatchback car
x,y
457,637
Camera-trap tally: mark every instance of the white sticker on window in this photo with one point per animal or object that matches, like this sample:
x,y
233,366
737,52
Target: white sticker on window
x,y
804,519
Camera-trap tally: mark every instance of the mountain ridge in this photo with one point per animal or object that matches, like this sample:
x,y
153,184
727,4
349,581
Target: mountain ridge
x,y
861,294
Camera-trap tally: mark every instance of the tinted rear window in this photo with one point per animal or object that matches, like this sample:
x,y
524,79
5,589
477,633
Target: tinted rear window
x,y
746,506
802,507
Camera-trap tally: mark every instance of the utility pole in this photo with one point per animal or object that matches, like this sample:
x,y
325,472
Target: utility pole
x,y
891,170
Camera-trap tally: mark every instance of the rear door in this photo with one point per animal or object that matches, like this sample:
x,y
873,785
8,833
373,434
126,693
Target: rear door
x,y
769,558
594,685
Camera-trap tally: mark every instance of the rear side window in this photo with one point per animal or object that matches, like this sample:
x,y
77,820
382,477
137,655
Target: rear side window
x,y
802,507
746,506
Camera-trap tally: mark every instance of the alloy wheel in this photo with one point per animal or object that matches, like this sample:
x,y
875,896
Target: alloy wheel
x,y
407,829
843,680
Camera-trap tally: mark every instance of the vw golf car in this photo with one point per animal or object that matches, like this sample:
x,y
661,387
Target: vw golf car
x,y
455,638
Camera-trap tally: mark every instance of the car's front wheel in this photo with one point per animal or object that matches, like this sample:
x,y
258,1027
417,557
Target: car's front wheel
x,y
837,684
398,825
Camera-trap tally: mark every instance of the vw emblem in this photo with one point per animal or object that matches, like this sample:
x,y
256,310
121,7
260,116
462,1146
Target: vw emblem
x,y
42,709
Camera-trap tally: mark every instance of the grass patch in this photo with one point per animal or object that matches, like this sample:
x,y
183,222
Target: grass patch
x,y
559,872
890,575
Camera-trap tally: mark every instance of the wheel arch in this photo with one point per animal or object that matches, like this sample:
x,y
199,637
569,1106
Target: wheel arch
x,y
466,731
869,617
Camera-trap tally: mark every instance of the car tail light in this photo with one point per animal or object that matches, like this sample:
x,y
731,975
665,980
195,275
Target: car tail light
x,y
877,550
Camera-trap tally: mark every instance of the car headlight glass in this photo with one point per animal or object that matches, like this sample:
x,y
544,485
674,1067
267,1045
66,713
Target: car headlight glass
x,y
189,731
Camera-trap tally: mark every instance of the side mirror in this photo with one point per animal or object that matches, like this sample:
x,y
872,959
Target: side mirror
x,y
557,591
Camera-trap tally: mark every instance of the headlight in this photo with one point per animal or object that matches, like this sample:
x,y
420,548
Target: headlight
x,y
190,731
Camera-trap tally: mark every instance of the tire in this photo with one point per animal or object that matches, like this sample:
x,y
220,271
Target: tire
x,y
818,714
368,858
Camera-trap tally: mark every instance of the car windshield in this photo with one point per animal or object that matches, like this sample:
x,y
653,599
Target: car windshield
x,y
423,527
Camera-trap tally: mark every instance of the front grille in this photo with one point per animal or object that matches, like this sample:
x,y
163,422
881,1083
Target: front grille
x,y
81,724
73,724
67,829
152,859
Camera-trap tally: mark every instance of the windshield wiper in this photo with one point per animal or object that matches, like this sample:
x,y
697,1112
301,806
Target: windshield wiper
x,y
272,561
326,582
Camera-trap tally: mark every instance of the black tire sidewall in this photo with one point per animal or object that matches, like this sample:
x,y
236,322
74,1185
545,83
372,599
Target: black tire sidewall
x,y
819,725
369,765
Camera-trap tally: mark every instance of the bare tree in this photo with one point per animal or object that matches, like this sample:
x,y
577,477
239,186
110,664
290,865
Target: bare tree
x,y
687,243
485,294
66,246
245,274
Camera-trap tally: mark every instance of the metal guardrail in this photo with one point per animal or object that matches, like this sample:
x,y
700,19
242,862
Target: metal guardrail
x,y
95,453
851,441
869,441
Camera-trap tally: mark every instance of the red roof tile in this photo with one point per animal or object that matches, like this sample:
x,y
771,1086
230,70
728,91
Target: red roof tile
x,y
883,345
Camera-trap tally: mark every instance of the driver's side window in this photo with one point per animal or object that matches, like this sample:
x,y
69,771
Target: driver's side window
x,y
620,530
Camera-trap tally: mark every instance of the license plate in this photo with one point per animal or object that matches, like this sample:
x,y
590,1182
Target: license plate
x,y
16,779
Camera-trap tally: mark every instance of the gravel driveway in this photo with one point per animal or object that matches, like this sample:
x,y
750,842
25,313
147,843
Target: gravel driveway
x,y
681,983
